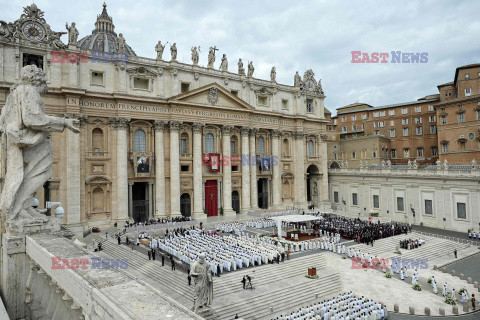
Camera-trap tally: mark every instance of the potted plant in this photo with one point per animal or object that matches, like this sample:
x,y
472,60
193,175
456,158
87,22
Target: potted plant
x,y
450,300
417,287
221,211
388,275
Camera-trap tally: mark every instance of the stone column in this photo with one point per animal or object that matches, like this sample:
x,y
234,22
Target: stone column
x,y
253,170
299,160
277,170
227,171
150,199
174,169
246,163
121,125
130,200
73,155
159,127
323,190
197,172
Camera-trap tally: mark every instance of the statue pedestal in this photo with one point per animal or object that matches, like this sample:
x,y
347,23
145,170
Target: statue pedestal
x,y
50,224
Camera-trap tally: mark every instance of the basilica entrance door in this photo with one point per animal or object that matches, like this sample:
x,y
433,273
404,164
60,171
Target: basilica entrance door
x,y
140,204
235,201
185,205
262,193
211,197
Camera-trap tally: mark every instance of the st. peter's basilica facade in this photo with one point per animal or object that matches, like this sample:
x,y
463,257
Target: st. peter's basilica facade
x,y
162,138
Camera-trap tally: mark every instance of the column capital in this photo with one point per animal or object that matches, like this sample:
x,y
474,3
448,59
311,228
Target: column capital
x,y
298,135
159,125
175,125
150,182
82,119
245,131
253,131
119,122
130,184
198,127
227,129
276,133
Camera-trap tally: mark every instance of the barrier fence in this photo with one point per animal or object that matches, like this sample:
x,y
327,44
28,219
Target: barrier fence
x,y
168,225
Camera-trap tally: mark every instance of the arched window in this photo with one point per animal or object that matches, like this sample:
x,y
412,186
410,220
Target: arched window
x,y
97,140
139,141
310,148
260,146
184,143
209,143
233,145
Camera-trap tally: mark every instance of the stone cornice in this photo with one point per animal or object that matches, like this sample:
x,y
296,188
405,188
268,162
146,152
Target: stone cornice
x,y
159,125
175,125
119,122
298,135
227,130
245,131
253,131
198,127
276,133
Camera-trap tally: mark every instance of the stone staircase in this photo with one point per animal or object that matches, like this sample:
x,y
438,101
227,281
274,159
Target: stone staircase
x,y
281,286
434,248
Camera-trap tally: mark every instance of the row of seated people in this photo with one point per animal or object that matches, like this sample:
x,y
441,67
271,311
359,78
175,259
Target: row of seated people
x,y
343,307
409,244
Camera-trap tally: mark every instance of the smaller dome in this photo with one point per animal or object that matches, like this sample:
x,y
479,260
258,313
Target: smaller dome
x,y
104,38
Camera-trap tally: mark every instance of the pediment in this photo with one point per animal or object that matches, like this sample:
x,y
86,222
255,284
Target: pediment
x,y
212,95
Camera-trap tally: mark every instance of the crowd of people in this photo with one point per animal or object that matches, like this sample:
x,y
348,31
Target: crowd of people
x,y
346,306
409,244
260,223
129,223
223,253
361,231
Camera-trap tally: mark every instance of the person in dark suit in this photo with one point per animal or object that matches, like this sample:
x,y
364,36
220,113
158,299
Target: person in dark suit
x,y
173,263
153,254
189,279
119,240
149,255
128,241
163,260
244,281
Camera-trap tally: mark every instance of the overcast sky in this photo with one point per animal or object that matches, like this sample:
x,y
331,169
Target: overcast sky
x,y
297,35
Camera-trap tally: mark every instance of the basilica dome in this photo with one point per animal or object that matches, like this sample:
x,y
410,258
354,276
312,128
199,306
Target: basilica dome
x,y
104,38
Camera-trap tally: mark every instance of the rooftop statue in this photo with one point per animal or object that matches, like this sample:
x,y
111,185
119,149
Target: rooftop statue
x,y
26,131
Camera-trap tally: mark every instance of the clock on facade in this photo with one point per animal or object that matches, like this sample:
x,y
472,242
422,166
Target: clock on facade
x,y
33,31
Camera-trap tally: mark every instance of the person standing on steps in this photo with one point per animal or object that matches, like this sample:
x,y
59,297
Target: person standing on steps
x,y
173,263
189,277
244,281
455,253
149,255
163,260
119,240
153,254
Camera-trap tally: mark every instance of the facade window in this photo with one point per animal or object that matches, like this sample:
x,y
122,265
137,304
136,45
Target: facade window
x,y
364,116
344,119
309,106
471,136
462,145
285,106
97,140
354,135
354,118
383,113
29,59
404,122
428,207
183,146
263,101
141,83
418,120
97,78
431,108
233,147
235,93
354,155
467,76
392,123
404,110
374,154
406,153
185,87
209,143
443,119
418,109
376,132
139,141
461,210
393,153
461,117
405,132
391,112
354,199
376,201
354,127
400,205
468,91
376,114
335,196
392,133
184,168
434,151
261,146
344,129
310,148
419,130
478,114
420,152
445,147
433,129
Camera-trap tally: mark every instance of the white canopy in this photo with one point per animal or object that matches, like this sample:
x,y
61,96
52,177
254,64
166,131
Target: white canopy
x,y
294,218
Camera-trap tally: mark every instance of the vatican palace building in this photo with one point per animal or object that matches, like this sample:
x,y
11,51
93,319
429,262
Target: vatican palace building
x,y
162,138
